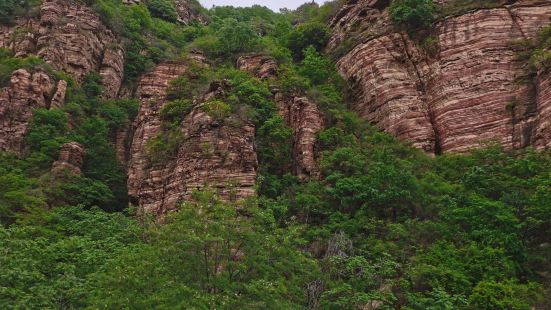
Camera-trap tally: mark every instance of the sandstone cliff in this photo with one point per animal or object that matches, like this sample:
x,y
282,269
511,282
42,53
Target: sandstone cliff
x,y
72,38
26,92
220,154
454,95
300,114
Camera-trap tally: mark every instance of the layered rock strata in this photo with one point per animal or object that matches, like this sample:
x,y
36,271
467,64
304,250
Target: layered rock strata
x,y
26,92
453,95
72,38
216,153
300,114
71,158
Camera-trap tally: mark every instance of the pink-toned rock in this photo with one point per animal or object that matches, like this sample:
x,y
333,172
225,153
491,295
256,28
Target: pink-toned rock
x,y
72,38
188,14
112,71
456,99
71,158
258,65
299,113
543,124
58,99
26,92
218,154
305,119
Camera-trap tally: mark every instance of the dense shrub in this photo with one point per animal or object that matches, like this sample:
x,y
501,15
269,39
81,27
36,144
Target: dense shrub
x,y
313,34
163,9
412,14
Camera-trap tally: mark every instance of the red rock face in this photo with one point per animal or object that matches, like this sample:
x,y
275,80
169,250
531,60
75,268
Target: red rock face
x,y
71,158
27,91
299,113
543,125
72,38
460,98
219,154
258,65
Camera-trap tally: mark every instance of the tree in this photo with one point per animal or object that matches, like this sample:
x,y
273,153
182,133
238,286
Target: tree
x,y
163,9
313,34
412,14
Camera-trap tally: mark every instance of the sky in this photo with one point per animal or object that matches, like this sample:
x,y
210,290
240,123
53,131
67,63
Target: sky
x,y
272,4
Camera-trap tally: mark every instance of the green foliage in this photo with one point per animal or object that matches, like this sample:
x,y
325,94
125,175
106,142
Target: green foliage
x,y
217,109
8,64
173,112
10,9
309,34
383,225
49,266
412,14
205,253
193,82
457,7
164,146
505,295
163,9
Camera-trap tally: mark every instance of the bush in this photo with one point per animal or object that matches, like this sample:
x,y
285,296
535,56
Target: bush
x,y
313,34
173,112
412,14
217,109
163,9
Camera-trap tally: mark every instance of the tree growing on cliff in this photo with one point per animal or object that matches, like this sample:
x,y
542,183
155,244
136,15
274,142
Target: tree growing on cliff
x,y
412,14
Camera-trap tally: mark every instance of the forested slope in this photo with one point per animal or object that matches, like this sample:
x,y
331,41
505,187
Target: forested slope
x,y
155,154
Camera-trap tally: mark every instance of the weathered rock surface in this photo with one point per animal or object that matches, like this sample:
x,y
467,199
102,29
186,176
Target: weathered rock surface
x,y
451,101
27,91
304,118
219,154
71,158
188,14
299,113
543,99
70,37
258,65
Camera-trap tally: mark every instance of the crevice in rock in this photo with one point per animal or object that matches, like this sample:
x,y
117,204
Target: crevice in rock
x,y
422,89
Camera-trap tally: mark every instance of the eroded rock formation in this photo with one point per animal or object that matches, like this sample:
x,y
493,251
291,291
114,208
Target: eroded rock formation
x,y
71,158
70,37
26,92
459,94
299,113
215,153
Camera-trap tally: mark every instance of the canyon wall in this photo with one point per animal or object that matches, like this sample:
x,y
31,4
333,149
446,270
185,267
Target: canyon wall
x,y
217,153
300,114
71,38
459,91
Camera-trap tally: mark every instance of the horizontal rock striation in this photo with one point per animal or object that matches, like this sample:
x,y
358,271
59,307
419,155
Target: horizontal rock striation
x,y
215,153
26,92
299,113
458,95
72,38
71,158
543,99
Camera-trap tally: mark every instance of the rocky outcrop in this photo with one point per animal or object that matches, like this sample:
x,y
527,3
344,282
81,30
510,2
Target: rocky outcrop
x,y
72,38
151,92
188,12
27,91
304,118
258,65
452,99
543,100
299,113
215,153
71,158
